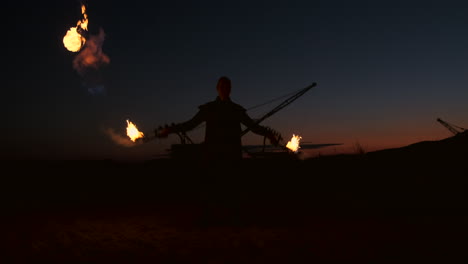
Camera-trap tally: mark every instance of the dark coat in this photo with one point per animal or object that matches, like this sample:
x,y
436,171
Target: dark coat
x,y
223,129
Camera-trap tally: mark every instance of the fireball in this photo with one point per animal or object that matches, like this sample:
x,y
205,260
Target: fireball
x,y
132,131
293,144
73,39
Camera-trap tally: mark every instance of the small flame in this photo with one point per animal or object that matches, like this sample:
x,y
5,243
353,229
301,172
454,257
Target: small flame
x,y
293,144
132,131
73,40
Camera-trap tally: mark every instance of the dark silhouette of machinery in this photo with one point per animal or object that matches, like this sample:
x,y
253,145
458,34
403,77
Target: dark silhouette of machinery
x,y
282,105
188,149
456,130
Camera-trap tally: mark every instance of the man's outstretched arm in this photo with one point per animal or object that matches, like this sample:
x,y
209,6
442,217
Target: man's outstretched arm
x,y
184,126
259,129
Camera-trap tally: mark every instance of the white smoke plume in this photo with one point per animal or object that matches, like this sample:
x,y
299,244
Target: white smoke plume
x,y
119,139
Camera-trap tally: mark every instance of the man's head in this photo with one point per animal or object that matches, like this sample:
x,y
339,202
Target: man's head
x,y
224,88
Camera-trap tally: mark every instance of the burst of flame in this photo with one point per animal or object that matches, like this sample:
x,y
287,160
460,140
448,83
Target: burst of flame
x,y
293,144
73,40
132,131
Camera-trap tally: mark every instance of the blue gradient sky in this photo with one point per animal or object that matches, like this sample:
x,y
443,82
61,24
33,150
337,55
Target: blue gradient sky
x,y
385,71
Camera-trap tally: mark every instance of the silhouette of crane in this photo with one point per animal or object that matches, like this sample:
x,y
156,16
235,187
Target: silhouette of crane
x,y
456,130
281,106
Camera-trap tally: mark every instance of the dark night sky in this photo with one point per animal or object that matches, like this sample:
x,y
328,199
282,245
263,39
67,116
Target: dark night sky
x,y
386,70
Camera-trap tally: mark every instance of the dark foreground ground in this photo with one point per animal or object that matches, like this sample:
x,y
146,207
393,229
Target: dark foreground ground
x,y
405,205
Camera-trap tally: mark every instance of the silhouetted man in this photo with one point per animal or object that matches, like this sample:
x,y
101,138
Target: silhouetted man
x,y
223,127
222,152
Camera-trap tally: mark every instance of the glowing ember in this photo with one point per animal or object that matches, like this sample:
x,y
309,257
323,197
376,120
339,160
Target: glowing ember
x,y
293,144
73,40
132,131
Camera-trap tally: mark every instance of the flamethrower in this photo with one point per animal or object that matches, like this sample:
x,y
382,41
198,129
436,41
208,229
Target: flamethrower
x,y
275,137
140,137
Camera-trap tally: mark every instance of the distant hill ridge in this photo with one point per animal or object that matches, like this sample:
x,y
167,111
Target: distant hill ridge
x,y
454,146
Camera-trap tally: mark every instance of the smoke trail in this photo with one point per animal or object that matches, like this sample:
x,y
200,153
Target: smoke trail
x,y
90,61
119,139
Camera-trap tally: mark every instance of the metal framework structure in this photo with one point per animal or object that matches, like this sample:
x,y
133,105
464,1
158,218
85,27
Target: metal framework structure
x,y
188,149
452,128
281,106
184,138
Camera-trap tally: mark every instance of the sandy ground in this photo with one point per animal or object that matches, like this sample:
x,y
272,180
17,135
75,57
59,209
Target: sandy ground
x,y
328,211
183,235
